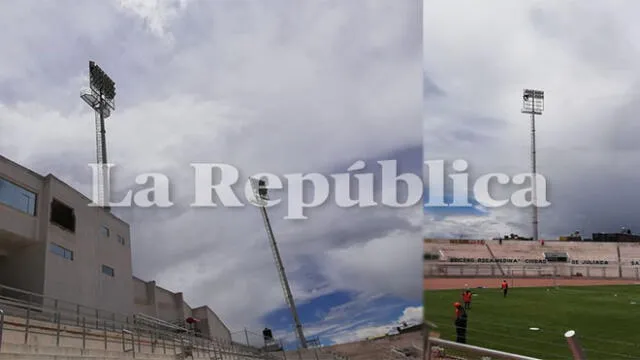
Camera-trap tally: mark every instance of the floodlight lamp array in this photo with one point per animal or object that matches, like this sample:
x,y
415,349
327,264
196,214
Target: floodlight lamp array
x,y
260,189
532,101
101,82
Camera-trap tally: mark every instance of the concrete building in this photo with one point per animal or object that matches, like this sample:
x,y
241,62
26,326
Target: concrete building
x,y
53,243
152,300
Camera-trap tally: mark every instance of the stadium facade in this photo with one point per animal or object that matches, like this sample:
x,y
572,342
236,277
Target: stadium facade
x,y
54,246
518,258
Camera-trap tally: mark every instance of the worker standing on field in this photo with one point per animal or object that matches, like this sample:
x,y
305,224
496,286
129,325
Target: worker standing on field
x,y
505,287
460,323
466,298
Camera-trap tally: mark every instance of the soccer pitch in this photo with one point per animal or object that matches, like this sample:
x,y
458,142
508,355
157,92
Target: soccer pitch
x,y
606,319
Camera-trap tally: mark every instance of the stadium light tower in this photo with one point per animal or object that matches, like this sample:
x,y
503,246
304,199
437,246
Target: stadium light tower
x,y
100,97
533,104
261,193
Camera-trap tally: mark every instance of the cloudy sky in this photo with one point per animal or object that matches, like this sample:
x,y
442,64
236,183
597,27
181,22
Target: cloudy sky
x,y
271,86
584,55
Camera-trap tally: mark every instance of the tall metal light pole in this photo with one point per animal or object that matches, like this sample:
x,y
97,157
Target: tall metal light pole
x,y
100,97
261,193
533,104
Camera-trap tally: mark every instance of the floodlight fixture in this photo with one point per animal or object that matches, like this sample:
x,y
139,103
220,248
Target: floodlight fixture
x,y
101,83
532,101
100,96
260,191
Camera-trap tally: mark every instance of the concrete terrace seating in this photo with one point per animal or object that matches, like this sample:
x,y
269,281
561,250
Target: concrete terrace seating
x,y
463,251
520,258
36,339
310,354
629,253
630,260
585,250
520,250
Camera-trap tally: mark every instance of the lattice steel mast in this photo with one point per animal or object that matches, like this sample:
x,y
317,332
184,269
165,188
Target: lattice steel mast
x,y
261,193
533,104
100,97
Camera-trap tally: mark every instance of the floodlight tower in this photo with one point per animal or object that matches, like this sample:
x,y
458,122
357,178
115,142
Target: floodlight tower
x,y
100,97
533,104
261,193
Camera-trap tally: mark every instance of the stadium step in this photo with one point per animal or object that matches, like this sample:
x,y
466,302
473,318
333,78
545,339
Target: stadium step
x,y
40,356
21,351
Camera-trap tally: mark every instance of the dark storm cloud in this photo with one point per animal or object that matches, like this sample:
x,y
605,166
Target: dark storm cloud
x,y
278,87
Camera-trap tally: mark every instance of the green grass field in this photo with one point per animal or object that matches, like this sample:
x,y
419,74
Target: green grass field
x,y
606,319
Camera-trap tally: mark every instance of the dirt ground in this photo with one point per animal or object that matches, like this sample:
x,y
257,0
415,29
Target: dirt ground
x,y
460,283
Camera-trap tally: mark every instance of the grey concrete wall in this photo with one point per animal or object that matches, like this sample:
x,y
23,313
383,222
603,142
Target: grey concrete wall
x,y
210,324
27,263
166,305
186,309
168,309
24,268
26,240
22,247
82,280
144,297
17,227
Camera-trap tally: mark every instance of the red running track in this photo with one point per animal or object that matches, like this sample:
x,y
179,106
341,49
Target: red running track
x,y
461,283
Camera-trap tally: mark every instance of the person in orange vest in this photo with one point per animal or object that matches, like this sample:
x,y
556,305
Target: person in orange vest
x,y
505,287
466,298
460,323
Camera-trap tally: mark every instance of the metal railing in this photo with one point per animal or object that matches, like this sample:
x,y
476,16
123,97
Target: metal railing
x,y
35,314
1,326
476,350
430,342
449,269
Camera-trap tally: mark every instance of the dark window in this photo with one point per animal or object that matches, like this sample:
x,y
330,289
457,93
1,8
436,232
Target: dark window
x,y
108,270
431,256
63,216
105,231
121,240
17,197
556,256
60,251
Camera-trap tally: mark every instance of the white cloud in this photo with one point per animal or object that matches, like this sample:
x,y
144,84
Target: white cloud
x,y
410,315
283,87
582,55
157,14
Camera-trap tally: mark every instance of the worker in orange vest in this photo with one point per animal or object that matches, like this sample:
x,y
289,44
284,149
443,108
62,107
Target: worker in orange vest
x,y
466,298
505,287
460,323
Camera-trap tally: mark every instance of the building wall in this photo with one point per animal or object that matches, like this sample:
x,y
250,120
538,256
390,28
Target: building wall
x,y
168,306
210,324
81,280
26,240
22,249
144,297
168,309
186,309
24,268
27,261
15,225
